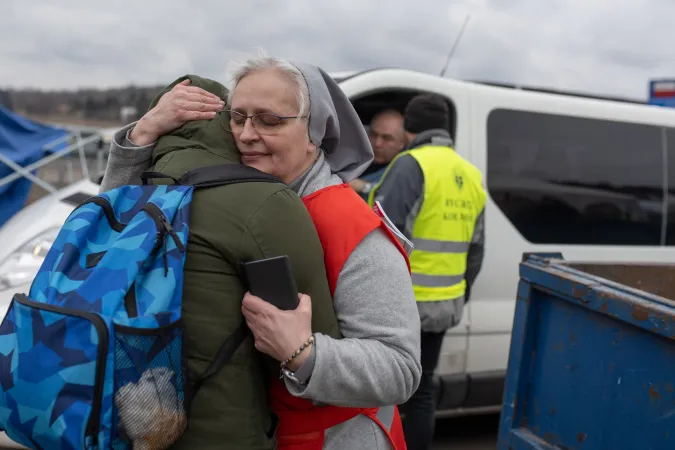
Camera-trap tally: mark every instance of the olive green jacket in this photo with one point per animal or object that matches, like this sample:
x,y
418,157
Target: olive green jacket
x,y
228,225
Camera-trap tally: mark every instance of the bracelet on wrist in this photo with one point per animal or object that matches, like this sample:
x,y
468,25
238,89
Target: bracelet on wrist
x,y
295,354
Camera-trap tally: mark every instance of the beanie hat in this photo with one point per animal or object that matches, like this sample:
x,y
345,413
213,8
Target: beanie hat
x,y
426,112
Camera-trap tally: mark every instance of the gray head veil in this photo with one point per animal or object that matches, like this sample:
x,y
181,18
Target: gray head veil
x,y
334,125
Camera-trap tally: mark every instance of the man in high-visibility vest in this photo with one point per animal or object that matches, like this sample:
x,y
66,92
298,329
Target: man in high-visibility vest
x,y
436,199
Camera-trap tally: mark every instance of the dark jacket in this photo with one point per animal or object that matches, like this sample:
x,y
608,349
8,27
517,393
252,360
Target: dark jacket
x,y
231,224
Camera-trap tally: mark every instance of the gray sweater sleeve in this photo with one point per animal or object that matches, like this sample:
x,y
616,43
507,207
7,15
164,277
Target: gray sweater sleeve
x,y
126,161
474,257
377,362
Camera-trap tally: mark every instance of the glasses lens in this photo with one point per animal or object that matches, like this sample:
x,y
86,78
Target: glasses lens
x,y
234,121
264,123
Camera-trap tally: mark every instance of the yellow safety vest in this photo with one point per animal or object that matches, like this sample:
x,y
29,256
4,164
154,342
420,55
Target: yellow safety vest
x,y
453,199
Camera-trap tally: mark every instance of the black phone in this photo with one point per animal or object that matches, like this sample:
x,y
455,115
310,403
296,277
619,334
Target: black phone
x,y
272,280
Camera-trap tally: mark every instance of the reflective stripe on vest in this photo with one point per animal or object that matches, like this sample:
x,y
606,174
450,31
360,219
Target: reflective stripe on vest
x,y
453,199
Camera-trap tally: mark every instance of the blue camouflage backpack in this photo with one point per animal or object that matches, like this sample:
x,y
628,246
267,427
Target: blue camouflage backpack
x,y
92,357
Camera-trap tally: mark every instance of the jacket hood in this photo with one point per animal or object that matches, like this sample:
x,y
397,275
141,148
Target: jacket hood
x,y
436,136
334,125
208,135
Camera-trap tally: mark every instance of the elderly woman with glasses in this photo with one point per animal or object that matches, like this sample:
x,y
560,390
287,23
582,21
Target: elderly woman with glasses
x,y
291,120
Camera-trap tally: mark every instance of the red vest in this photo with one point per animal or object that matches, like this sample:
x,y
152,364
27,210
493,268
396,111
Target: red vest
x,y
342,219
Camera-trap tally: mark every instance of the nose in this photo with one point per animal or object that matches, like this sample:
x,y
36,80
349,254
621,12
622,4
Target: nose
x,y
379,142
248,132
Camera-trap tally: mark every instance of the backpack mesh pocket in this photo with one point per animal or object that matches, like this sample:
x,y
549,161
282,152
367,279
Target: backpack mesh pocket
x,y
149,409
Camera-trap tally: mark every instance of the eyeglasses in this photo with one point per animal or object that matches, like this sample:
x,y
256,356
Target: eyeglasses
x,y
264,123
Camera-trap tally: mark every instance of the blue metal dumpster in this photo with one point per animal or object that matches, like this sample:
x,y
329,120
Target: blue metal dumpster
x,y
592,358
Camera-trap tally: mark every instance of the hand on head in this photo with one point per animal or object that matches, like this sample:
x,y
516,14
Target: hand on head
x,y
181,104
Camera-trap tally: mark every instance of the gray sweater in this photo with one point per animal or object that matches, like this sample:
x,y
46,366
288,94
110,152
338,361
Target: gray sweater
x,y
377,363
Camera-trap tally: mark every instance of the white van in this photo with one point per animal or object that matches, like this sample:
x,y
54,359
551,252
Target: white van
x,y
588,177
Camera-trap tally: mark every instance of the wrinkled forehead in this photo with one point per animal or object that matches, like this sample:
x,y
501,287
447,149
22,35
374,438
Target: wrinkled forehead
x,y
265,91
387,124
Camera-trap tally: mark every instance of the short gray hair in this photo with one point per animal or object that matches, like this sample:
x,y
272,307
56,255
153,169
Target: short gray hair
x,y
261,61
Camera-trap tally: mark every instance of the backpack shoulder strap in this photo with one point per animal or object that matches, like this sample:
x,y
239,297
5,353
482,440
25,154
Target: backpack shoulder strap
x,y
223,174
224,355
212,176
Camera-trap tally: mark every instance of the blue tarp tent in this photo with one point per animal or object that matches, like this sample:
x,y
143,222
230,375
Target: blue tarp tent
x,y
23,141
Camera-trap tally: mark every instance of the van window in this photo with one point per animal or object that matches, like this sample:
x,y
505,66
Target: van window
x,y
570,180
670,142
370,103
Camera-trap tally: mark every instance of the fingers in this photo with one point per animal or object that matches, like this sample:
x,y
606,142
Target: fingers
x,y
200,91
186,110
252,323
188,116
190,103
198,106
257,343
251,319
255,305
196,97
184,88
246,304
305,302
190,107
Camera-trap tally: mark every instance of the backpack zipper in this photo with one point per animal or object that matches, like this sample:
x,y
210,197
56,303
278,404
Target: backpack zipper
x,y
163,228
158,215
93,424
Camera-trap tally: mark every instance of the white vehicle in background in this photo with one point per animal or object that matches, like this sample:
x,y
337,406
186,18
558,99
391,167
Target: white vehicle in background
x,y
28,234
586,176
26,237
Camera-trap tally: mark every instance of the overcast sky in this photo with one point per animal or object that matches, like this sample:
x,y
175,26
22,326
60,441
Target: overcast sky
x,y
603,46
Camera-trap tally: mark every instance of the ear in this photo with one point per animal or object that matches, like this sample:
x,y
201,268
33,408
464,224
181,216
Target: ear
x,y
311,148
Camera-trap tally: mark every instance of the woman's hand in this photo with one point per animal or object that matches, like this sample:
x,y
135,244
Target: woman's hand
x,y
181,104
279,333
